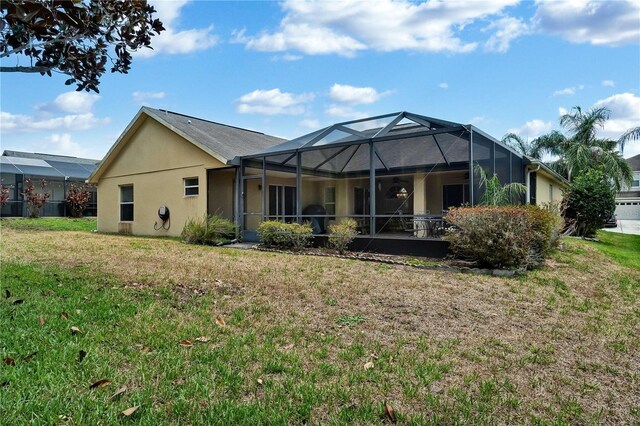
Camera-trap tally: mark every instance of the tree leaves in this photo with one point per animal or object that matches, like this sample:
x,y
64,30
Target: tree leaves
x,y
129,411
29,357
119,392
100,384
185,343
390,413
64,315
41,320
9,361
74,330
75,38
220,321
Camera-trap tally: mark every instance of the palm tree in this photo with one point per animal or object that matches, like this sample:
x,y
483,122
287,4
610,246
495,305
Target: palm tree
x,y
524,147
495,193
628,136
582,149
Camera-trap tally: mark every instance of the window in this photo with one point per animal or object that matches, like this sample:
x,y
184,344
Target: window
x,y
330,201
454,195
126,203
191,187
282,203
361,198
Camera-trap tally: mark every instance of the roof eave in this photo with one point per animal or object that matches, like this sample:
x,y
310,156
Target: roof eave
x,y
109,157
158,117
549,171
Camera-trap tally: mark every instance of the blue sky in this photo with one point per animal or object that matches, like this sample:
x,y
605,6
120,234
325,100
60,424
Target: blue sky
x,y
289,68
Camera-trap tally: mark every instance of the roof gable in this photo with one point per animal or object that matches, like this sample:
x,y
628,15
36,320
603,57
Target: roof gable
x,y
634,163
220,141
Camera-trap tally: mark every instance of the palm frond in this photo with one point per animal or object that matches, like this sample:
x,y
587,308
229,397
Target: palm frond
x,y
628,136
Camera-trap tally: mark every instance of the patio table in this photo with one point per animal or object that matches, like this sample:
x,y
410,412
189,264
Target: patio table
x,y
427,226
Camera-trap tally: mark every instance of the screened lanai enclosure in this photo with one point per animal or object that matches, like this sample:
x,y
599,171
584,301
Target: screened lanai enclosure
x,y
396,175
58,171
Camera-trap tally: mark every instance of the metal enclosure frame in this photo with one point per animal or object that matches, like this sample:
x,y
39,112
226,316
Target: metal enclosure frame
x,y
399,127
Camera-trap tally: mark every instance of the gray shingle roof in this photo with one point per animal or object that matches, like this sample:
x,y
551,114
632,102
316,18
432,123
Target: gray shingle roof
x,y
634,162
226,141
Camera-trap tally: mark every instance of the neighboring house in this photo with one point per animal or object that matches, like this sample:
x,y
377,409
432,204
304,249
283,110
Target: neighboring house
x,y
59,172
395,174
628,200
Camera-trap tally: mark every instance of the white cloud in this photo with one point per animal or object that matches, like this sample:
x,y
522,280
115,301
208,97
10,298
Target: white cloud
x,y
173,41
310,123
565,91
532,129
273,102
347,27
18,123
344,112
568,90
353,95
562,111
608,83
143,97
609,23
443,85
625,114
62,144
76,102
506,29
287,57
478,120
73,102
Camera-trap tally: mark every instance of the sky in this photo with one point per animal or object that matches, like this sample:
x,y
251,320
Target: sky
x,y
292,67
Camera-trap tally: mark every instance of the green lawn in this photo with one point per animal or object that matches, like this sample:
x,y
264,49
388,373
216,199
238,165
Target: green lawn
x,y
208,335
624,248
50,224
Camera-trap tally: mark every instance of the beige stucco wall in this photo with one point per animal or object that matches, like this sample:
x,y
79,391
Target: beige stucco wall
x,y
547,189
432,201
155,161
220,192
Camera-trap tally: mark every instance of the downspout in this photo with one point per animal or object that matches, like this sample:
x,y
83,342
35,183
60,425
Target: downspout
x,y
527,180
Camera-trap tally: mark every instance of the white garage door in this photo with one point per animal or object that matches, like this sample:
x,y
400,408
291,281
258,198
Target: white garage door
x,y
628,209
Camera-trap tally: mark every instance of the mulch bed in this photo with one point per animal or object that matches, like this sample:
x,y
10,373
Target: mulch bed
x,y
451,265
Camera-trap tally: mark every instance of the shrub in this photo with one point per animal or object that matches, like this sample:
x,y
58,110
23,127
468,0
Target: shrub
x,y
589,203
272,233
342,234
300,235
77,200
503,237
209,230
285,235
35,200
4,194
547,226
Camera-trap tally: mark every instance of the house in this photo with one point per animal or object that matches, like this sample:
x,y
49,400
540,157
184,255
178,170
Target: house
x,y
628,200
168,159
395,174
58,171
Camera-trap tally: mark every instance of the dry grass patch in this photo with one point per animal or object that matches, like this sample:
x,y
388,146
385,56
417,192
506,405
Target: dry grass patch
x,y
557,345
